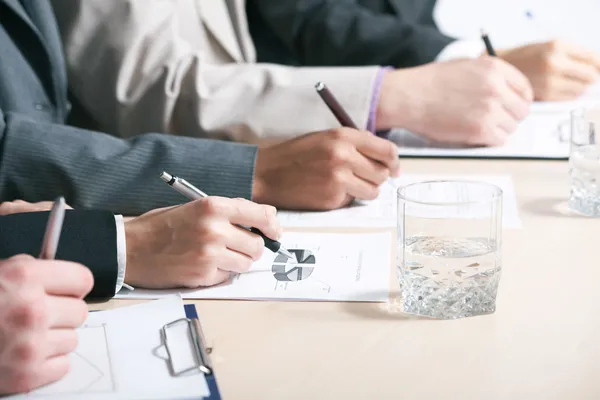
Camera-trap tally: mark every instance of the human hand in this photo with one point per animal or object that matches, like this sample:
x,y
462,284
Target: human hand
x,y
196,244
324,170
41,305
20,206
469,102
558,71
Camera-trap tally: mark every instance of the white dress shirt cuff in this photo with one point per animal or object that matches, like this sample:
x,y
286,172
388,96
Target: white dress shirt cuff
x,y
121,251
461,49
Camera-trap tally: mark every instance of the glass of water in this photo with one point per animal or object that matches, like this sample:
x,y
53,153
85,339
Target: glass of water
x,y
584,162
449,248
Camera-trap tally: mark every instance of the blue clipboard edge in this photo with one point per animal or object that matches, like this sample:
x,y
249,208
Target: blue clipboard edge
x,y
192,313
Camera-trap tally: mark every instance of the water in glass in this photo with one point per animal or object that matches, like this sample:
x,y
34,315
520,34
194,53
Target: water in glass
x,y
450,277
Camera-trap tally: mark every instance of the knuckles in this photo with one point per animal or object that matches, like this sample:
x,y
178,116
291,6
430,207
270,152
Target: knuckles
x,y
210,231
340,134
18,271
27,352
211,206
29,314
337,153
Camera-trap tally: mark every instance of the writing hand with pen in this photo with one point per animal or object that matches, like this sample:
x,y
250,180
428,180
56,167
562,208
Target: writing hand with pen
x,y
557,70
325,170
41,306
477,102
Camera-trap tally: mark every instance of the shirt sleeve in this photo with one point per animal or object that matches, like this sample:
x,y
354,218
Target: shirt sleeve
x,y
461,49
121,252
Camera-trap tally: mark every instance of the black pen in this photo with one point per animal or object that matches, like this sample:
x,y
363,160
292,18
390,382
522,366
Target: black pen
x,y
488,43
53,230
193,193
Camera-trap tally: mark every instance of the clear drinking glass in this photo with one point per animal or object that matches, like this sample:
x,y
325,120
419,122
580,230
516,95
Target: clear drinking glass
x,y
584,162
449,255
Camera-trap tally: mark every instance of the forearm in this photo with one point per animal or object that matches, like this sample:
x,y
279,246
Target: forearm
x,y
92,170
344,32
87,237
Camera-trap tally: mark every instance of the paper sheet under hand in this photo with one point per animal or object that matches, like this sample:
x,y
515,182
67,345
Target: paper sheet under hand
x,y
376,213
119,357
544,134
329,267
382,212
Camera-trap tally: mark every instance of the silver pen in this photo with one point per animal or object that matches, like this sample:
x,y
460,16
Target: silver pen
x,y
193,193
53,230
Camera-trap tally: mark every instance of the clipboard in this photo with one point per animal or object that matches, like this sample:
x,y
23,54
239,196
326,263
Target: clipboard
x,y
202,352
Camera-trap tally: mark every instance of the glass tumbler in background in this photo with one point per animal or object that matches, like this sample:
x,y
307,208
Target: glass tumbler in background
x,y
584,162
449,255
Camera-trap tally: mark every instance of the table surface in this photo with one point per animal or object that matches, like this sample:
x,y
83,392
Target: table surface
x,y
542,341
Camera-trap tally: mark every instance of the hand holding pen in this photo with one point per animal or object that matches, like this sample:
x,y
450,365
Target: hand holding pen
x,y
557,70
42,309
193,193
196,244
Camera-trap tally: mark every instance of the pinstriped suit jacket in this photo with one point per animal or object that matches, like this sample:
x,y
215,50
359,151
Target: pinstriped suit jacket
x,y
41,158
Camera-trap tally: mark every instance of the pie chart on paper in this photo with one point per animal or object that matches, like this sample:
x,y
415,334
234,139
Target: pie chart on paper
x,y
287,270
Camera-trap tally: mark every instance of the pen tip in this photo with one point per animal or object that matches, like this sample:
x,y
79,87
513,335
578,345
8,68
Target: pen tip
x,y
320,86
483,32
165,176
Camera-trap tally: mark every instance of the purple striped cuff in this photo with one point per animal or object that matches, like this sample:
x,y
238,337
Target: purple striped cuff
x,y
371,122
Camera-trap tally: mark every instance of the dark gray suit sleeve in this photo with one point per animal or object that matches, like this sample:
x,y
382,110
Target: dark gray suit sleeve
x,y
345,33
39,161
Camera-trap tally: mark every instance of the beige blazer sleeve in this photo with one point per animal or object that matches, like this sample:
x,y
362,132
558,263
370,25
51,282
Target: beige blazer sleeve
x,y
134,72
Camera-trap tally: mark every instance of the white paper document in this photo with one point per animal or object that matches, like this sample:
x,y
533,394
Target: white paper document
x,y
376,213
328,267
382,212
121,355
544,134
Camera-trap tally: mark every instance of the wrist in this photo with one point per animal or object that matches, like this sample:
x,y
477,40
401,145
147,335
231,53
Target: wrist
x,y
395,110
259,186
132,250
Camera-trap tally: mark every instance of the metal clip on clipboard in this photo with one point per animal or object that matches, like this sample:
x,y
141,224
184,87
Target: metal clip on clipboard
x,y
200,351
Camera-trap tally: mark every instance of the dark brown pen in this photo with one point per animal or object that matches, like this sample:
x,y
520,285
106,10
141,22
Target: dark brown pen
x,y
335,107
